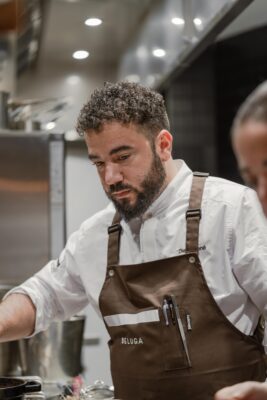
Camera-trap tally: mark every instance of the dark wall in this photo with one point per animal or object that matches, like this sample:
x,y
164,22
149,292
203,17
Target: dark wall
x,y
240,65
190,103
202,101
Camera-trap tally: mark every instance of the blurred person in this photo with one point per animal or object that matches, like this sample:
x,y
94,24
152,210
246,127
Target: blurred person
x,y
175,264
249,135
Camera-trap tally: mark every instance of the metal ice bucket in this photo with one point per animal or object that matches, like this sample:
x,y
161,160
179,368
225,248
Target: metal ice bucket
x,y
10,364
54,354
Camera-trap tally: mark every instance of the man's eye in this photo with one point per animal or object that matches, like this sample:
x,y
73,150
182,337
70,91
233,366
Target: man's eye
x,y
98,164
123,157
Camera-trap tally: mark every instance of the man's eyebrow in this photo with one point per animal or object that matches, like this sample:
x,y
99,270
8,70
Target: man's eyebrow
x,y
94,157
120,148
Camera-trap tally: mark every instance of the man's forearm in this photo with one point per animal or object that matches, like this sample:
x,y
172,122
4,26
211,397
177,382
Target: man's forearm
x,y
17,317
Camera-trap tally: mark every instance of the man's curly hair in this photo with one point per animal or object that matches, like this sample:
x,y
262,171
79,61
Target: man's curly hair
x,y
124,102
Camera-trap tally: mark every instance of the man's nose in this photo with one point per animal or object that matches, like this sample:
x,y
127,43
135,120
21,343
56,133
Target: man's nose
x,y
113,174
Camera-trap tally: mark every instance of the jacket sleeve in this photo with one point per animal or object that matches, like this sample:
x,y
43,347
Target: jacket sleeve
x,y
56,290
249,251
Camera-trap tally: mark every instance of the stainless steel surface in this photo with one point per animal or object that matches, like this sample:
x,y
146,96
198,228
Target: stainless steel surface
x,y
55,354
35,396
52,391
57,197
4,109
198,22
207,36
10,363
31,202
35,114
97,391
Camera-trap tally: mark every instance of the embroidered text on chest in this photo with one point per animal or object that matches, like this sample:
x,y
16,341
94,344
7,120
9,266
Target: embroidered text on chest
x,y
134,340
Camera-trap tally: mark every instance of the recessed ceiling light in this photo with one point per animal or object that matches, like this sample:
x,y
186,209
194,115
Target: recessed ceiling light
x,y
50,125
93,22
159,52
80,54
178,21
197,21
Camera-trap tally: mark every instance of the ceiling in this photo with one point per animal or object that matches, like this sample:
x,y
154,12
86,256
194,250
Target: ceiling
x,y
49,31
65,31
53,29
254,16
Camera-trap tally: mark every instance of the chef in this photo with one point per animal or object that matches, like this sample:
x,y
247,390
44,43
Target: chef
x,y
249,134
175,264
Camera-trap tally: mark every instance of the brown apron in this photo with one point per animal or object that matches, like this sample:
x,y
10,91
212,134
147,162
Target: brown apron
x,y
169,338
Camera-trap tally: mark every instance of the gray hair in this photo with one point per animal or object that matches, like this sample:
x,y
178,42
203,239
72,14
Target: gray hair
x,y
253,108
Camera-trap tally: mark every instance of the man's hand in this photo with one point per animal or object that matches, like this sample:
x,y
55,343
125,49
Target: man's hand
x,y
17,317
243,391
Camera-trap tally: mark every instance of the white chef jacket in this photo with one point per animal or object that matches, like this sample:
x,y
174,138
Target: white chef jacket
x,y
232,251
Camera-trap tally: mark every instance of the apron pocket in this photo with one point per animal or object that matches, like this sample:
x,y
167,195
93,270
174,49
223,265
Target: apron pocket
x,y
135,345
174,341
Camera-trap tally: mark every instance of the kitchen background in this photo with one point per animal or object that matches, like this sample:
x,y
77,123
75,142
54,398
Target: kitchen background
x,y
204,56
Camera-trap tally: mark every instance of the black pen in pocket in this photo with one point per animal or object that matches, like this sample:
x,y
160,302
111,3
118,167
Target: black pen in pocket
x,y
175,314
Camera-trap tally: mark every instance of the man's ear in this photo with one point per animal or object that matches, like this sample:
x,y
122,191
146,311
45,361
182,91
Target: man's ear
x,y
163,144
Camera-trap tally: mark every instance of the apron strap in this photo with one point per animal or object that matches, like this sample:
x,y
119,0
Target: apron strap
x,y
193,214
114,233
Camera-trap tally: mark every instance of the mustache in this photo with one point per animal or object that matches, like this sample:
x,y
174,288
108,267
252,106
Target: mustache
x,y
119,186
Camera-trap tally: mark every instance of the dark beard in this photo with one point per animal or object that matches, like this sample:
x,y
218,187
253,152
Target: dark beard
x,y
151,188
